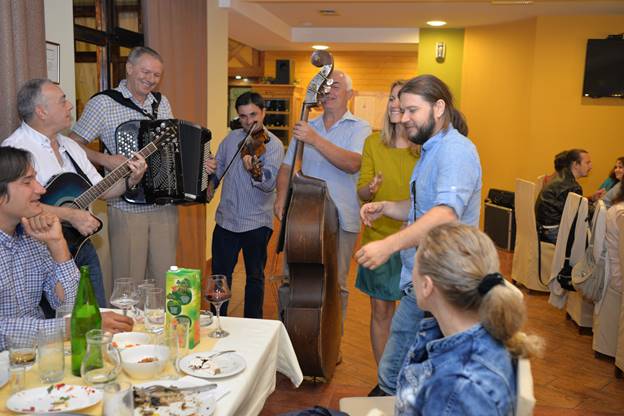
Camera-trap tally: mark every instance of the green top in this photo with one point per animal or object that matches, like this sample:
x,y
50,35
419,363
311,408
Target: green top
x,y
396,166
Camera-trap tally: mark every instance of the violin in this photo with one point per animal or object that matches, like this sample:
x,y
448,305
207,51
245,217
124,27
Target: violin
x,y
254,145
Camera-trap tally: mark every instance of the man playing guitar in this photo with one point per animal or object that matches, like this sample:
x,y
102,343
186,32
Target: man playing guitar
x,y
45,112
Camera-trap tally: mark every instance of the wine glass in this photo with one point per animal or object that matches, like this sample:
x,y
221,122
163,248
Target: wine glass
x,y
124,295
217,292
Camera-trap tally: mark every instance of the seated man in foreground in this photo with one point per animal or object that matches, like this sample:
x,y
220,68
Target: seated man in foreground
x,y
33,255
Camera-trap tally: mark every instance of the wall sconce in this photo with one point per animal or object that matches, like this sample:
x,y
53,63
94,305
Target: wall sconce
x,y
440,52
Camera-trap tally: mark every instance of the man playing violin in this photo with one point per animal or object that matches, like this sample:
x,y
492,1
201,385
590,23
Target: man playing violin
x,y
244,216
332,152
45,113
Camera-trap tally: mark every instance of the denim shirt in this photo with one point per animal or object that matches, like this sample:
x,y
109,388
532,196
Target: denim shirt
x,y
468,373
448,173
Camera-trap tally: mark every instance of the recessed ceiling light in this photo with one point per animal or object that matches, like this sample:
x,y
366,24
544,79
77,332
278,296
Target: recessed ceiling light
x,y
238,77
328,12
320,47
436,23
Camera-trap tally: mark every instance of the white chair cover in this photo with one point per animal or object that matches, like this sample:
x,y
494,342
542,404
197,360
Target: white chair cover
x,y
573,204
524,380
367,406
607,323
524,267
619,349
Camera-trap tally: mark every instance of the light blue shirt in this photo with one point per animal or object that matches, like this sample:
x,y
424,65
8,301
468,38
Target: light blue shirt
x,y
447,173
350,133
247,204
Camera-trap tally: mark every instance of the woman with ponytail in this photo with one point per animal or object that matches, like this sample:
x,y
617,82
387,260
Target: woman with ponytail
x,y
462,361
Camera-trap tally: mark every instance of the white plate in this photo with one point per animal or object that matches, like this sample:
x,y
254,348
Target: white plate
x,y
221,366
4,367
202,404
39,400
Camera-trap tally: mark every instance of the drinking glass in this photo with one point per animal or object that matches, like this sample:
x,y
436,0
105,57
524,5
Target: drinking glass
x,y
217,292
124,295
118,400
142,289
154,309
22,355
65,311
50,357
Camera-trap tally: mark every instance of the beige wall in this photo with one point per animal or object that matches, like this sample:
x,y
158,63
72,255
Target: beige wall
x,y
521,94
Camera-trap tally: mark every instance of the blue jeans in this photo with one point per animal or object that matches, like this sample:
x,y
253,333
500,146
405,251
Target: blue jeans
x,y
403,333
87,256
225,248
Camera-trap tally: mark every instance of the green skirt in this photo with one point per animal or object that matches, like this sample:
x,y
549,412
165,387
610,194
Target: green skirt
x,y
383,282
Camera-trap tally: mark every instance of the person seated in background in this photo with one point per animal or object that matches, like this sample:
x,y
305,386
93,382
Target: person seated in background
x,y
614,237
575,164
617,173
462,361
34,257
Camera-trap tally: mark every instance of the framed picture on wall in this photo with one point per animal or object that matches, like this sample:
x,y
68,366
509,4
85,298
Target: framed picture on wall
x,y
53,59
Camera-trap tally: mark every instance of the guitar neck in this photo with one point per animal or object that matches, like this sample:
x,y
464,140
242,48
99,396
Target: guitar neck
x,y
120,172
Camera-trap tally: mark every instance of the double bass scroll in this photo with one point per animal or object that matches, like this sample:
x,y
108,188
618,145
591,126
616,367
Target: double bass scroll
x,y
308,236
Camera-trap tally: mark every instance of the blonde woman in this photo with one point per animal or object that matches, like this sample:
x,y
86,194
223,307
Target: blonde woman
x,y
388,160
462,359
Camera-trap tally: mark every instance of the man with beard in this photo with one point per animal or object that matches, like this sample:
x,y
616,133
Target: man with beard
x,y
445,187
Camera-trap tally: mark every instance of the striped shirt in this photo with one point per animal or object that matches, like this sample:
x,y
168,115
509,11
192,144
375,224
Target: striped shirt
x,y
246,204
27,270
101,117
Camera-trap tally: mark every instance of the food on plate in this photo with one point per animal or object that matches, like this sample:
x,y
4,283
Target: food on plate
x,y
148,360
209,364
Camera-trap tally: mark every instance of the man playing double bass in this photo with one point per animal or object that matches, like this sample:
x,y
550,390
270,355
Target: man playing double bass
x,y
332,152
244,219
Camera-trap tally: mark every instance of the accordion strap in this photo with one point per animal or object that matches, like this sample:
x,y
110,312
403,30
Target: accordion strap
x,y
127,102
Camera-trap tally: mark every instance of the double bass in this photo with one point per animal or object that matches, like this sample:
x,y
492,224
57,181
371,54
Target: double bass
x,y
308,235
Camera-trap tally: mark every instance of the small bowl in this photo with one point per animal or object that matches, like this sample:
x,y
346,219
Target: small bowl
x,y
131,357
125,340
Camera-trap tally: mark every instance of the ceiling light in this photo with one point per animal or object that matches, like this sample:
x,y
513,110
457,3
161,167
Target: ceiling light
x,y
238,77
328,12
436,23
320,47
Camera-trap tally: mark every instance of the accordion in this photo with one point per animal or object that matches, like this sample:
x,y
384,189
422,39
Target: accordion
x,y
175,173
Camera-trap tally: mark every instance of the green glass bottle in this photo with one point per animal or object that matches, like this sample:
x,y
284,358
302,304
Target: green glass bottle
x,y
85,316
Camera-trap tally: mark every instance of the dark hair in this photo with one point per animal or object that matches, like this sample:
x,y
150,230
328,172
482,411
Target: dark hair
x,y
14,164
561,161
574,155
139,51
612,174
432,89
29,96
250,97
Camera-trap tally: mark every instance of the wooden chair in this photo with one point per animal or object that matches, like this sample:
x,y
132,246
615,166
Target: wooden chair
x,y
525,267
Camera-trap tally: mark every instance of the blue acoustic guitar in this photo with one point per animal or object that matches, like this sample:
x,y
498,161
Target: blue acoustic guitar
x,y
71,190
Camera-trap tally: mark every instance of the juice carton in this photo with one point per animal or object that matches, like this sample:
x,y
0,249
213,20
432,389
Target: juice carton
x,y
183,291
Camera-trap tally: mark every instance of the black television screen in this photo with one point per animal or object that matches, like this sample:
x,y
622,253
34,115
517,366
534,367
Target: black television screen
x,y
604,68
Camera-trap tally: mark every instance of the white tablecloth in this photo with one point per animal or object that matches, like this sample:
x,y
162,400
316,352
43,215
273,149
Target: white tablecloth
x,y
267,348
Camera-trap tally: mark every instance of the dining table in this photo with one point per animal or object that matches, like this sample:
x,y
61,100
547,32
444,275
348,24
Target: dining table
x,y
264,344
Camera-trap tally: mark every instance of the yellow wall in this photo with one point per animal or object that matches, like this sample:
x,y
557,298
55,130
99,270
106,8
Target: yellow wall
x,y
521,94
450,69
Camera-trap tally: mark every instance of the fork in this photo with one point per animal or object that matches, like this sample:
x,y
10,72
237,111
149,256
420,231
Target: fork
x,y
157,387
218,353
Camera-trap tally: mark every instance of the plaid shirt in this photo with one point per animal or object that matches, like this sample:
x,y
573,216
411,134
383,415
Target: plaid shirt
x,y
101,117
27,270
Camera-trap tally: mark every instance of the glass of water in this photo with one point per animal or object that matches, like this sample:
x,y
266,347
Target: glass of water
x,y
50,355
22,356
118,400
154,309
65,311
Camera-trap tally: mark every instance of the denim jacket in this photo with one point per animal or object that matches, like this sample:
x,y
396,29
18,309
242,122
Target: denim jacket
x,y
468,373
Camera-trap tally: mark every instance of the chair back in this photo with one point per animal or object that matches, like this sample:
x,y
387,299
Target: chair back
x,y
525,262
571,208
525,402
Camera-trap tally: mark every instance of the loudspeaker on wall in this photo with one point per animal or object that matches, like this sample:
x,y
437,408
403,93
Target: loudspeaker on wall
x,y
284,71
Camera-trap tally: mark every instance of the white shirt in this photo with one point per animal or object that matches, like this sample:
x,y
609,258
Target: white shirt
x,y
45,162
612,238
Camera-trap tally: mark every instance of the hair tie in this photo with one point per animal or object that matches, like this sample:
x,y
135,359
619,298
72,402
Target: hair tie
x,y
489,281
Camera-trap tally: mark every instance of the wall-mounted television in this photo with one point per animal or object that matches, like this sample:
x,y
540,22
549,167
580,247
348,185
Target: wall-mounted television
x,y
604,68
